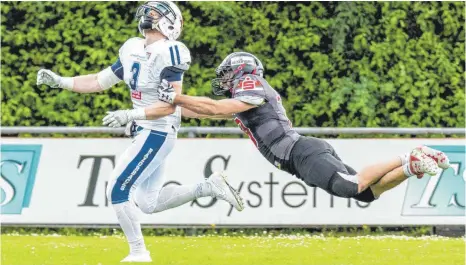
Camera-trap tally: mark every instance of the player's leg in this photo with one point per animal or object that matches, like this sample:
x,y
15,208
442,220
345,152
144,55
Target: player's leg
x,y
142,158
216,186
315,162
326,171
349,184
396,170
373,173
389,181
410,162
151,197
419,161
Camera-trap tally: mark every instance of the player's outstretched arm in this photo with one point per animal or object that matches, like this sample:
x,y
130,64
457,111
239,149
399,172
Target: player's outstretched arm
x,y
187,113
81,84
161,109
155,111
210,107
202,105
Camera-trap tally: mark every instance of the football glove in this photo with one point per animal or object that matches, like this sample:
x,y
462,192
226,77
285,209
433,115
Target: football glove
x,y
51,79
120,118
166,92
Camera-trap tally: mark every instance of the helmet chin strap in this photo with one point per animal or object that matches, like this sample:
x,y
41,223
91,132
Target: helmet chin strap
x,y
146,25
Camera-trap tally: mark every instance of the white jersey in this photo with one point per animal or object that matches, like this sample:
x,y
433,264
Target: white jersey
x,y
143,67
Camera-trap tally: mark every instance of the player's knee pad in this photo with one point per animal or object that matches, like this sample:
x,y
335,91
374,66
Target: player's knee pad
x,y
144,201
144,206
343,186
146,209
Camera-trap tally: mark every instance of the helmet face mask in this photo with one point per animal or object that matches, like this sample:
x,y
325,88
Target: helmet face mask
x,y
233,67
224,81
163,16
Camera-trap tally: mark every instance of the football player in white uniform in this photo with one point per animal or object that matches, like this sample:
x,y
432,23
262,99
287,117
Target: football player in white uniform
x,y
137,179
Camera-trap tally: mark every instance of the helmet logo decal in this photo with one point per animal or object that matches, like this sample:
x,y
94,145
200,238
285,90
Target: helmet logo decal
x,y
241,67
242,60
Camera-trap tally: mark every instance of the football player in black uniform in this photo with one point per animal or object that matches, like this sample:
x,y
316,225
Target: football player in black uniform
x,y
257,108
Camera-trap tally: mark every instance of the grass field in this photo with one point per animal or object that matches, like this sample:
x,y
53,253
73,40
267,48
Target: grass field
x,y
219,250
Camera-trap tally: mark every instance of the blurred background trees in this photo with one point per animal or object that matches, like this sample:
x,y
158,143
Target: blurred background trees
x,y
342,64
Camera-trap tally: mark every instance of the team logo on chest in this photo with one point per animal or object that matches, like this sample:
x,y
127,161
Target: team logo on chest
x,y
248,84
136,94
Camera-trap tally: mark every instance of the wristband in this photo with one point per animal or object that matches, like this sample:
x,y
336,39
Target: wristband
x,y
67,83
138,114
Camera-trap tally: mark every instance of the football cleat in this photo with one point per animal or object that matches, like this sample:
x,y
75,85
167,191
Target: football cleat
x,y
420,163
222,190
439,157
138,257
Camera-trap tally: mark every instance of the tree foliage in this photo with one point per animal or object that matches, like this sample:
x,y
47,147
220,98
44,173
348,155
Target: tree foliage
x,y
345,64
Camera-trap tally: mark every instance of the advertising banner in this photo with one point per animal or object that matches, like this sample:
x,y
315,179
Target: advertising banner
x,y
63,182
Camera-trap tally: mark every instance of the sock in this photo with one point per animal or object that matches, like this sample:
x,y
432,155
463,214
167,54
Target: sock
x,y
174,196
137,246
203,189
407,170
404,158
128,218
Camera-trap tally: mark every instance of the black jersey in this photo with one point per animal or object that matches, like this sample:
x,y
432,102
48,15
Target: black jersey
x,y
267,125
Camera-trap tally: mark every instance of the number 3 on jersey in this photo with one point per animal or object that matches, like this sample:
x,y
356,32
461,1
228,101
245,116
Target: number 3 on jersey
x,y
135,75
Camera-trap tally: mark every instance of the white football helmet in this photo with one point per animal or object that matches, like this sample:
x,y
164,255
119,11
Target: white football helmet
x,y
164,16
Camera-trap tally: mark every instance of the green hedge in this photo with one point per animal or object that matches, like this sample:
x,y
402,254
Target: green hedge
x,y
347,64
330,231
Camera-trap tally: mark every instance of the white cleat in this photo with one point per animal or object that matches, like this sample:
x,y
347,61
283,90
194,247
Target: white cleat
x,y
420,163
222,190
138,257
440,157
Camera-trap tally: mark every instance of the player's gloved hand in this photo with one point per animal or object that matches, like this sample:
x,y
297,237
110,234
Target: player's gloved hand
x,y
122,117
53,80
166,92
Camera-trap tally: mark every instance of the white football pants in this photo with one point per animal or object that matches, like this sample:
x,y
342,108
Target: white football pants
x,y
137,181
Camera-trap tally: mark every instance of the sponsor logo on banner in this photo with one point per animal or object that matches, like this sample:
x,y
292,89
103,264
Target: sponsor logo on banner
x,y
268,193
440,195
18,172
77,172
